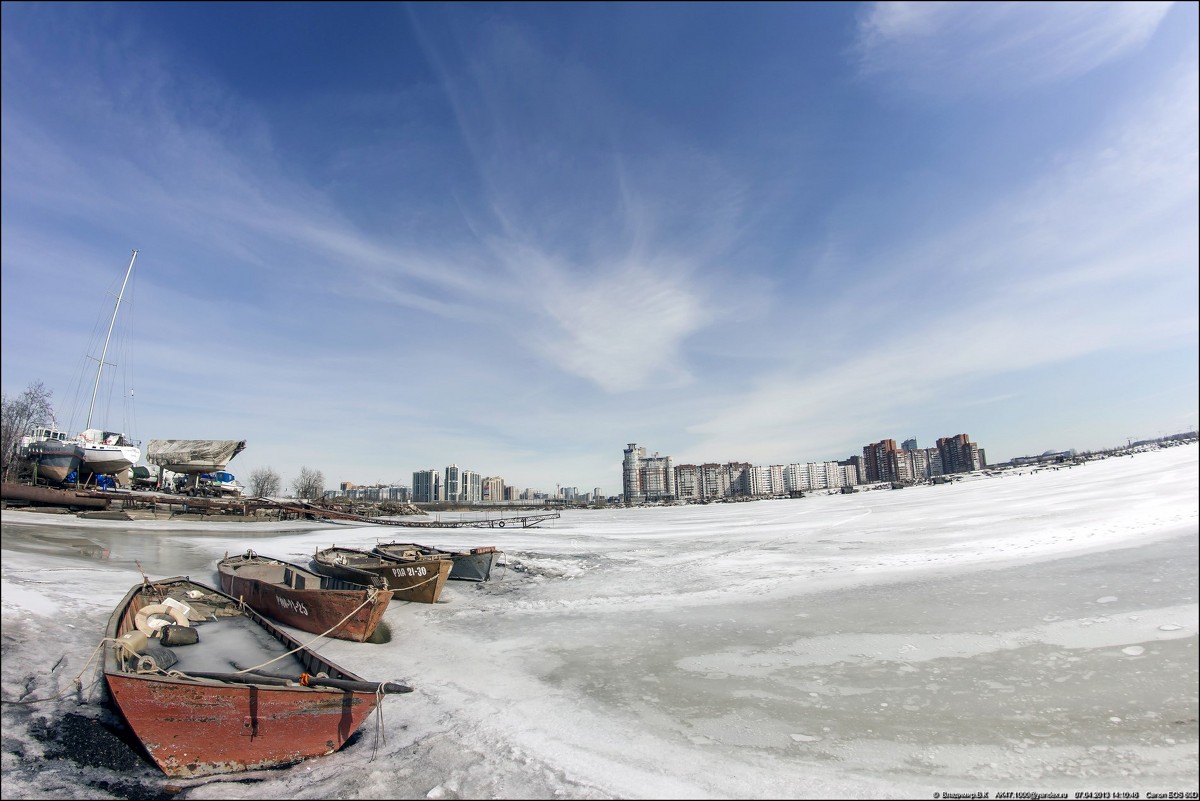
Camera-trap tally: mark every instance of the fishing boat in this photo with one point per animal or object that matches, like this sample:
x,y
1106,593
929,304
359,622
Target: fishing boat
x,y
55,456
236,694
474,564
303,599
419,579
107,453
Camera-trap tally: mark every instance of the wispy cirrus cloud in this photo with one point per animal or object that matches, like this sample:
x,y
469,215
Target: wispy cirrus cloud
x,y
1096,256
971,48
600,244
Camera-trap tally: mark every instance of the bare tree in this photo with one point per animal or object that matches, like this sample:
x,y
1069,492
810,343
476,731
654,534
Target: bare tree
x,y
19,414
309,485
265,482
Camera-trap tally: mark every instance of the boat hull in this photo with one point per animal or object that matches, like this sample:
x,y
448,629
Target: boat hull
x,y
303,600
192,730
193,456
195,725
54,459
473,565
108,460
418,580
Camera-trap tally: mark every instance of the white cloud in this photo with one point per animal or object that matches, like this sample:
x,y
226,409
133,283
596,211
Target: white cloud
x,y
958,48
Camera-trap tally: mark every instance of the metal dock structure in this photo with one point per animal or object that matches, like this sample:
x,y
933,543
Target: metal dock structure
x,y
303,509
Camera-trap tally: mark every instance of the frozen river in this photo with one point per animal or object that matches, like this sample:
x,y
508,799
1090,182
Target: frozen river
x,y
1025,632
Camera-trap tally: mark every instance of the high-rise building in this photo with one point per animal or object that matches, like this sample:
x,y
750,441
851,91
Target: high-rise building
x,y
646,478
959,454
493,489
630,483
452,485
471,487
427,486
882,461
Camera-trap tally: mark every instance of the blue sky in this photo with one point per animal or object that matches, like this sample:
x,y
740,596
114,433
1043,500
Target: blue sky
x,y
378,238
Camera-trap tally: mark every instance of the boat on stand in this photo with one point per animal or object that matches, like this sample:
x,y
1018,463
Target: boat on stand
x,y
54,455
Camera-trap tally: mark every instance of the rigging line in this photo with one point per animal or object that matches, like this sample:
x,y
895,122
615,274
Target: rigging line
x,y
108,336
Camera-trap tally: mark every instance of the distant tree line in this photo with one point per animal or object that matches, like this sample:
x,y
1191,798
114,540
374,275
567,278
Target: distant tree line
x,y
264,482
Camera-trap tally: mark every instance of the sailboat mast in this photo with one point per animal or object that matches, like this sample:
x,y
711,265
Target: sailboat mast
x,y
104,353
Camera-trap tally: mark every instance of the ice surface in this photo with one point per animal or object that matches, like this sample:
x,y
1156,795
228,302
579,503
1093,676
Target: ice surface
x,y
1032,631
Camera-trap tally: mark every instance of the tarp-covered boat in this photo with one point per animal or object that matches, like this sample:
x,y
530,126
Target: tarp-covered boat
x,y
474,564
301,598
211,703
193,455
419,579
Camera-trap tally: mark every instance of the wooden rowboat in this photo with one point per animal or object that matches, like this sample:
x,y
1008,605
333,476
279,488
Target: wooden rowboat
x,y
301,598
419,579
474,564
215,706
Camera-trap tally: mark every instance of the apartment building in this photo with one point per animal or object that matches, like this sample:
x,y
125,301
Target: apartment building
x,y
959,454
493,489
646,478
426,486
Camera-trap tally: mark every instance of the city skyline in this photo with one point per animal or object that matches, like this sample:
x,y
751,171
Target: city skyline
x,y
373,234
950,454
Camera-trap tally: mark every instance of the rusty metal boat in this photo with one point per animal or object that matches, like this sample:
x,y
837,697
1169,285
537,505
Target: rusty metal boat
x,y
473,564
240,695
419,579
301,598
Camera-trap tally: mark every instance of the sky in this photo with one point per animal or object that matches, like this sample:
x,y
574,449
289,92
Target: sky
x,y
379,238
1025,632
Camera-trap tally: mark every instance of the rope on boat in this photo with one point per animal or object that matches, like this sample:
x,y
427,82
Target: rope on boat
x,y
78,680
372,594
380,730
434,577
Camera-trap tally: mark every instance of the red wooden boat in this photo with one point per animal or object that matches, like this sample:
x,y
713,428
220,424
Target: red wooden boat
x,y
215,705
301,598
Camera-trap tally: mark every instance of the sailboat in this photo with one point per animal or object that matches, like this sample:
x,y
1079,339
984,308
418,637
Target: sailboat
x,y
59,458
102,452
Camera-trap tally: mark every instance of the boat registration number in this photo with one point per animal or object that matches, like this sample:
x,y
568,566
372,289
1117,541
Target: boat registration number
x,y
292,606
409,571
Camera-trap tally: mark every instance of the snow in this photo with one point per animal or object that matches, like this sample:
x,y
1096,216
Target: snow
x,y
1024,631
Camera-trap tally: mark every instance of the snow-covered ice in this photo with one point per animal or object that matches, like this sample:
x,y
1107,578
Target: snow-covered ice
x,y
1032,631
